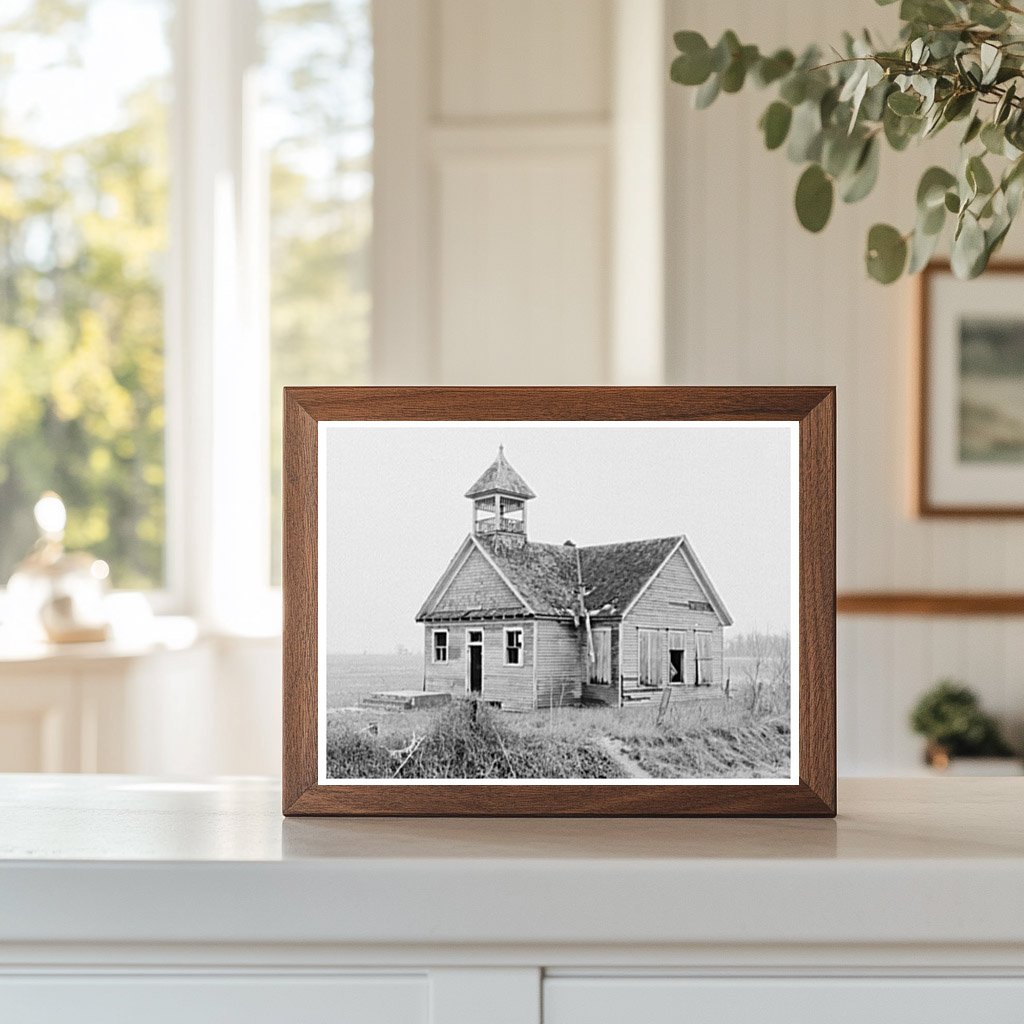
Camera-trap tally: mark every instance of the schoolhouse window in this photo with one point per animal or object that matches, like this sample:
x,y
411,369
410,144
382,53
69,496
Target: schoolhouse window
x,y
513,647
703,659
440,645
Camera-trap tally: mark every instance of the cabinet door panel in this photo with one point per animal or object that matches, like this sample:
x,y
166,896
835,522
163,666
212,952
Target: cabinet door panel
x,y
782,1001
202,999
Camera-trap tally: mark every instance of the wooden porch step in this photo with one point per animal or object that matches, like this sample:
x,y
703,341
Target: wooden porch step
x,y
406,700
680,694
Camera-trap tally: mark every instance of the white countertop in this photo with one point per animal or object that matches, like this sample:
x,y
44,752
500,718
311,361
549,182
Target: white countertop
x,y
121,859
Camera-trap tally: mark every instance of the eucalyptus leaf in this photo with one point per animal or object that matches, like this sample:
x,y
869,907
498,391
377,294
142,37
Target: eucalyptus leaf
x,y
840,152
931,190
775,124
1005,105
973,130
991,60
987,15
904,103
886,253
957,106
689,70
968,247
978,176
707,93
814,196
735,74
932,221
724,51
865,173
771,69
922,248
794,88
805,133
993,138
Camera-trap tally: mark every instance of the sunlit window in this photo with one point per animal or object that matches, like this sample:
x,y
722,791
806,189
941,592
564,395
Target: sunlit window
x,y
317,120
83,234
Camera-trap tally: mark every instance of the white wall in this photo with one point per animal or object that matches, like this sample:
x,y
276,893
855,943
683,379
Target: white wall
x,y
754,299
500,151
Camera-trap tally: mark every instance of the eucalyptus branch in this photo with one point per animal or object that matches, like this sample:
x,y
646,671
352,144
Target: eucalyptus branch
x,y
955,61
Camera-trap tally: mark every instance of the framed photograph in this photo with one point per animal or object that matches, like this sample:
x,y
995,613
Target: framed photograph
x,y
970,451
559,601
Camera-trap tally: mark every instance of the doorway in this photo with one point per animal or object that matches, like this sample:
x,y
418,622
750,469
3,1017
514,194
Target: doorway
x,y
675,665
475,661
676,657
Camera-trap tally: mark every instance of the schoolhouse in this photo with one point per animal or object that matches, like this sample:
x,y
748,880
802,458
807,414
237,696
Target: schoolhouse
x,y
525,625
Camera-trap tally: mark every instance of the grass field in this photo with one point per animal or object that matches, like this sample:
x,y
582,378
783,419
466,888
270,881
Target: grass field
x,y
708,738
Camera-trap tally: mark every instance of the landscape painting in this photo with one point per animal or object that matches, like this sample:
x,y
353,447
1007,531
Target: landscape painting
x,y
527,603
992,389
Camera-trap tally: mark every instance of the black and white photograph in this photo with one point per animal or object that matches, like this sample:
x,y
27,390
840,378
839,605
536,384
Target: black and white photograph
x,y
531,602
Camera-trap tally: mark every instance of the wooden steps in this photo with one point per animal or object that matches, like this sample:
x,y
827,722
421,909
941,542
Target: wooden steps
x,y
406,700
643,695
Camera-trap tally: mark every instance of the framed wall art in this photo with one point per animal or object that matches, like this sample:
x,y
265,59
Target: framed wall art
x,y
559,601
970,445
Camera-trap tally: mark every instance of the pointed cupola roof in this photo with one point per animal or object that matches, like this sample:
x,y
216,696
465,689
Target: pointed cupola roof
x,y
500,478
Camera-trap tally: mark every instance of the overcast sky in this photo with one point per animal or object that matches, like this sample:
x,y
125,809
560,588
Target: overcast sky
x,y
395,511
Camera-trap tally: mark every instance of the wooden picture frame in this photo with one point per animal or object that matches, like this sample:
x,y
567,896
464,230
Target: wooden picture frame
x,y
811,410
936,479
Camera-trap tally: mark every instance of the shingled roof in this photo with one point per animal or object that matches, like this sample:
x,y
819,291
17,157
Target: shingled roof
x,y
614,574
546,575
500,478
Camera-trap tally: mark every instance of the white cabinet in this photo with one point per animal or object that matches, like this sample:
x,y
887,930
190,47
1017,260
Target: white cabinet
x,y
127,899
829,1000
216,1000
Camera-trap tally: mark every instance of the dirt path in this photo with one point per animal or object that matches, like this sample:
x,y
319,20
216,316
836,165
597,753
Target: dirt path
x,y
629,767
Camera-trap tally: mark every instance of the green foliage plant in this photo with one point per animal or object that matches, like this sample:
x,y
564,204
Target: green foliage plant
x,y
950,717
957,61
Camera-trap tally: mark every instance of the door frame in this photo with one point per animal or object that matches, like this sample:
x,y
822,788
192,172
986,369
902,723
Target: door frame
x,y
469,658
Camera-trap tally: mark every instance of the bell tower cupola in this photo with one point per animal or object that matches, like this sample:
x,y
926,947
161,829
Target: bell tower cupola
x,y
499,501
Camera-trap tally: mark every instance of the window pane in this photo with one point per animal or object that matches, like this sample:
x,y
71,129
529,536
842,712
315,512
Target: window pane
x,y
83,219
318,130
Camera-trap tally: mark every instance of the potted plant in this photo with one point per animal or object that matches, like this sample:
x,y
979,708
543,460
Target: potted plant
x,y
956,62
950,718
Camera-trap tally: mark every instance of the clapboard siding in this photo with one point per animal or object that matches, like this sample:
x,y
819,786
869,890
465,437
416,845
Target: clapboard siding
x,y
511,685
561,661
661,607
450,675
477,585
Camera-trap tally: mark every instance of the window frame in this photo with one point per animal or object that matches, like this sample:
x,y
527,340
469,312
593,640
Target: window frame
x,y
700,661
434,634
520,649
655,657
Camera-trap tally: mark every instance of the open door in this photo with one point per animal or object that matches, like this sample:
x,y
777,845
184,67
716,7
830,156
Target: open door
x,y
676,657
475,661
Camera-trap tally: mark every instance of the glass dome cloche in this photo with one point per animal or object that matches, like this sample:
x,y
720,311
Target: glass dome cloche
x,y
57,595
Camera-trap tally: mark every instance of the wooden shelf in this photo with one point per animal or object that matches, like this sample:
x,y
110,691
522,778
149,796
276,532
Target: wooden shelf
x,y
928,603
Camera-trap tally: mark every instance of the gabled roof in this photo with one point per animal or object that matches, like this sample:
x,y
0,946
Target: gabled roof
x,y
543,574
545,577
615,574
500,478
